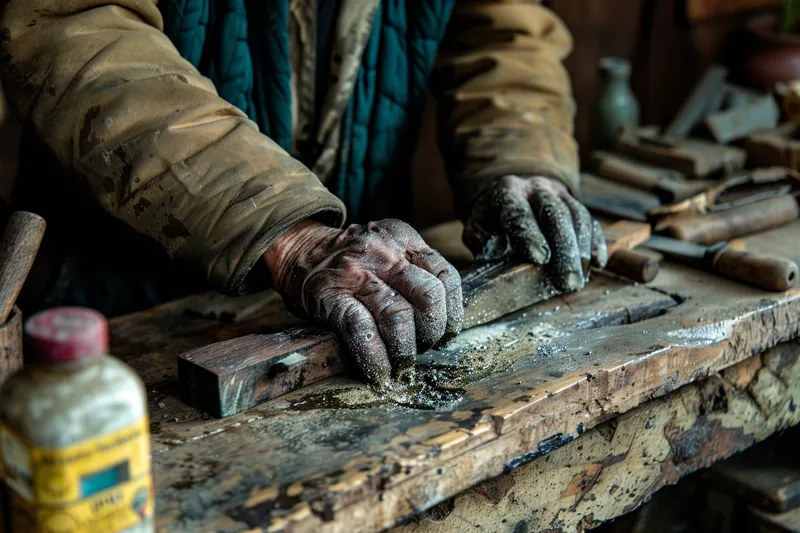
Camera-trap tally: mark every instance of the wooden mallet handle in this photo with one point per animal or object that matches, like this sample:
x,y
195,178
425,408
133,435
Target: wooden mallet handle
x,y
767,272
18,249
633,265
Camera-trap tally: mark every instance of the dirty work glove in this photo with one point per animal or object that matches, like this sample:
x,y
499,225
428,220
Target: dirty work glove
x,y
539,220
378,286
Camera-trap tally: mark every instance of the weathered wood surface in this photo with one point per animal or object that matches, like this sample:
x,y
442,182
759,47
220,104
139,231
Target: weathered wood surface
x,y
618,465
307,462
231,376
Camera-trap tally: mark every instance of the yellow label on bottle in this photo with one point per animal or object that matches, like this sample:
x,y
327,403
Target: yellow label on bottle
x,y
100,484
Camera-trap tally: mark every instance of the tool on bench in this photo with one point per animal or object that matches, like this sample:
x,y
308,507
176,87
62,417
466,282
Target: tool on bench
x,y
767,272
21,240
668,185
227,377
737,222
692,157
621,239
705,98
633,265
617,200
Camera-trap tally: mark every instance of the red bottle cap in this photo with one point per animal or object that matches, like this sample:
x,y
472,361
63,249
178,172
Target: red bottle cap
x,y
65,334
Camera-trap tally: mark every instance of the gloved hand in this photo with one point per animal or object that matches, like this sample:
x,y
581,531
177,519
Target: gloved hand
x,y
378,286
539,220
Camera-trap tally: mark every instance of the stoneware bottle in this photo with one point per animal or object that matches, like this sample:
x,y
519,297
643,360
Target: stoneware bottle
x,y
616,106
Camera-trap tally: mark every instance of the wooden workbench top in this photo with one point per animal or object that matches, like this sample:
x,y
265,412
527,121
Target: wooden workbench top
x,y
332,457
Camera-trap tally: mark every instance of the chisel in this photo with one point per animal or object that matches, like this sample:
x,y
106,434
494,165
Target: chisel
x,y
767,272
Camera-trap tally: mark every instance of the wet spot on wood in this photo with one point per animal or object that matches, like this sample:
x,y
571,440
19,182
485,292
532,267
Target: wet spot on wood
x,y
174,229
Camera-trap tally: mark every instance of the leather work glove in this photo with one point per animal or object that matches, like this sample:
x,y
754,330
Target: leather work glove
x,y
378,286
538,219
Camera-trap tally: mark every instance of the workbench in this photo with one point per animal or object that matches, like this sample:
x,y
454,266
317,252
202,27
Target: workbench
x,y
608,395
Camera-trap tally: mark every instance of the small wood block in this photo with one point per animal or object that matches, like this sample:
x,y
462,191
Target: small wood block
x,y
692,157
699,103
774,147
737,123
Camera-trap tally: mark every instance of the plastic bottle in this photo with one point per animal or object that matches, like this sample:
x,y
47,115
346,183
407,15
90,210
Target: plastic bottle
x,y
74,432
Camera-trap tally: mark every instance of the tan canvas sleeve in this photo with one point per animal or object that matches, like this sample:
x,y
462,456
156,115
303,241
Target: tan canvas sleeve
x,y
505,99
147,136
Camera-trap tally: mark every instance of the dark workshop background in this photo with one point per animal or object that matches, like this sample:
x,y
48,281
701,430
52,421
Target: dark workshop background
x,y
668,42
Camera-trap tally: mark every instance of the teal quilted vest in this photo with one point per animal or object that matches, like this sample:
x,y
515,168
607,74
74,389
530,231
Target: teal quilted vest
x,y
243,47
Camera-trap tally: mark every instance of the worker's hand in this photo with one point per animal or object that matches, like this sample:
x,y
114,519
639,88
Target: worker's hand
x,y
538,219
378,286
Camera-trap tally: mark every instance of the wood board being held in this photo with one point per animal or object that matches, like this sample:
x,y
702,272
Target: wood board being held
x,y
227,377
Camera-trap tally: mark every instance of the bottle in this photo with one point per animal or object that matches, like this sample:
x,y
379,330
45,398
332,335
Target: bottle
x,y
74,431
616,106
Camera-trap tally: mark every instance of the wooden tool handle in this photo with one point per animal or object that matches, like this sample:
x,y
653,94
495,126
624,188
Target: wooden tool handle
x,y
633,265
767,272
615,169
18,249
736,222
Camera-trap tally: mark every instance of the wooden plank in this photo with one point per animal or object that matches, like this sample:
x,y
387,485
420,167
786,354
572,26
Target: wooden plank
x,y
228,377
617,466
692,157
737,123
699,104
333,458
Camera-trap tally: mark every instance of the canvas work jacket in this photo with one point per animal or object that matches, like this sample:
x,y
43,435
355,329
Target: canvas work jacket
x,y
143,134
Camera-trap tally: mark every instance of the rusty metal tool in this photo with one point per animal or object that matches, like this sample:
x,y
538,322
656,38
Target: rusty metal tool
x,y
227,377
767,272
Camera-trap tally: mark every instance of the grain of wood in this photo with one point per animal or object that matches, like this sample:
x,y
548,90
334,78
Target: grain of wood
x,y
21,240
